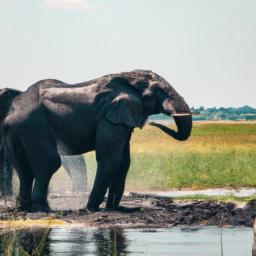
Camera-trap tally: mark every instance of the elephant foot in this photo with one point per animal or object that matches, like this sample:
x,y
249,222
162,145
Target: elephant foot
x,y
23,206
124,209
91,209
40,207
129,209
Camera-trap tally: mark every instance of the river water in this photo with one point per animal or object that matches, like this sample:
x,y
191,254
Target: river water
x,y
73,241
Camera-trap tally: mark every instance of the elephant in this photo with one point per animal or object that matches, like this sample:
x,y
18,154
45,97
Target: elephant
x,y
75,166
52,118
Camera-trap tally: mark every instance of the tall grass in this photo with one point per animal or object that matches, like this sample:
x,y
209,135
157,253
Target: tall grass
x,y
216,155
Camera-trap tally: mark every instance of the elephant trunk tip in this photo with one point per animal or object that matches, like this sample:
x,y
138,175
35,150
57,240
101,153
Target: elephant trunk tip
x,y
184,125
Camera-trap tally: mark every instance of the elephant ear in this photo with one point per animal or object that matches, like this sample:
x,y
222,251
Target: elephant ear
x,y
126,109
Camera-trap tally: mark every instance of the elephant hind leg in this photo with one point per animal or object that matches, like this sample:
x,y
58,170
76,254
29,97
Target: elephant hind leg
x,y
44,160
39,193
44,172
16,154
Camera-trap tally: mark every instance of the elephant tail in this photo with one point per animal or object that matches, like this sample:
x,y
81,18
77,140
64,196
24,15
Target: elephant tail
x,y
7,96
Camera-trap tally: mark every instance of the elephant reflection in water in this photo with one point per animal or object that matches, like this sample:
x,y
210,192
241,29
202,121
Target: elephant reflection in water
x,y
110,242
58,241
78,241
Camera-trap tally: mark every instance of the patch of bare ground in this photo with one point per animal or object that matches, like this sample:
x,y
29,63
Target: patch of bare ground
x,y
156,211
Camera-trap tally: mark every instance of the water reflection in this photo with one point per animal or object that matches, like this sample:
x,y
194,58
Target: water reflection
x,y
110,241
115,242
63,241
20,242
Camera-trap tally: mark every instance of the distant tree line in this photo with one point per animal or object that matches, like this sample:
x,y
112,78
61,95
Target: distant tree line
x,y
230,113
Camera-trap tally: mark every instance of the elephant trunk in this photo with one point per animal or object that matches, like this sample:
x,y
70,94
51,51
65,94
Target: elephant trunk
x,y
184,127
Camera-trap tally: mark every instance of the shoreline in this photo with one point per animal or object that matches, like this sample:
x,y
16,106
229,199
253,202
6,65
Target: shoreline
x,y
156,212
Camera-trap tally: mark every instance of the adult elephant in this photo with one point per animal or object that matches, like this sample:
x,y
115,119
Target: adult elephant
x,y
52,117
75,166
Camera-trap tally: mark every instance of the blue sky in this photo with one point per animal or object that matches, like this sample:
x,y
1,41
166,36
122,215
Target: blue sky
x,y
205,48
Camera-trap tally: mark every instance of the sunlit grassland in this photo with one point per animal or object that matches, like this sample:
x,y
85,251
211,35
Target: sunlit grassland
x,y
216,155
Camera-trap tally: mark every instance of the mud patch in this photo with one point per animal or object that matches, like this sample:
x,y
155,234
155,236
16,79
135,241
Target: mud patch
x,y
156,211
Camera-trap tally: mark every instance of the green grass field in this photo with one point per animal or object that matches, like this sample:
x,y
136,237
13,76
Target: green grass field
x,y
216,155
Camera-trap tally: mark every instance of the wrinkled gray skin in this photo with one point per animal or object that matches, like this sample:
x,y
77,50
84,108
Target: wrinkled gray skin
x,y
75,165
52,117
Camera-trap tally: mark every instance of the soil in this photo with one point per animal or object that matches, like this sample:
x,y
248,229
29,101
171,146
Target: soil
x,y
156,211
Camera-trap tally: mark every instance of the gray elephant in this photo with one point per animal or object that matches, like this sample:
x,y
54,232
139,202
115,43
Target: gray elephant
x,y
75,166
52,117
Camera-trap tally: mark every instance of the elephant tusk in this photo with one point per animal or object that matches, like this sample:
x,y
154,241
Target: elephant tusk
x,y
181,114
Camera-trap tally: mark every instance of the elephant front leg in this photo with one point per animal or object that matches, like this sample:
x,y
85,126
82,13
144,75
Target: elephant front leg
x,y
117,186
102,181
111,142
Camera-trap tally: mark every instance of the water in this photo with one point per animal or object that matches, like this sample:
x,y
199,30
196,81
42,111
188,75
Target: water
x,y
204,241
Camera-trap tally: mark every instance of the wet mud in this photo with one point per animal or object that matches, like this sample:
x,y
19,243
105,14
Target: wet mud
x,y
156,211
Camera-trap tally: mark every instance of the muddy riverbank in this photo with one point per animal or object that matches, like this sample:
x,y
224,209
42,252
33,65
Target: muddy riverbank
x,y
156,211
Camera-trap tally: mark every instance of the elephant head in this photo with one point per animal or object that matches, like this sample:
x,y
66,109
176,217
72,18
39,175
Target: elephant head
x,y
138,94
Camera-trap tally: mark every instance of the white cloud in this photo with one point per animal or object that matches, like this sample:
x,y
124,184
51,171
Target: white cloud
x,y
68,4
